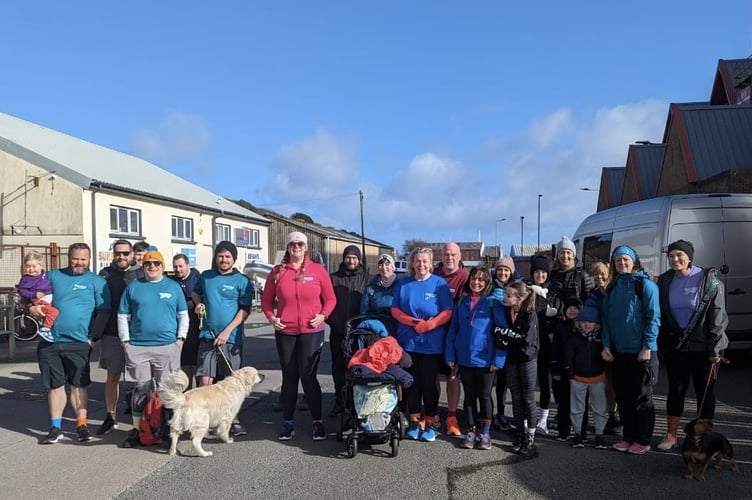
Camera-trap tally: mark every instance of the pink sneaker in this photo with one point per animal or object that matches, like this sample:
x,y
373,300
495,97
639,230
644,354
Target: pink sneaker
x,y
639,449
622,446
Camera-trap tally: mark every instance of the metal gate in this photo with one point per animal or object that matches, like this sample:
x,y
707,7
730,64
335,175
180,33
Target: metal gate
x,y
11,260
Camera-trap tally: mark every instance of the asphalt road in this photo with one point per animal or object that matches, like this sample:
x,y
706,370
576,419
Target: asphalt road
x,y
259,466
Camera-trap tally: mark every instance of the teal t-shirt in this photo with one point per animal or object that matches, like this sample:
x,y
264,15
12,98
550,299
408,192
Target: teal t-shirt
x,y
77,297
224,295
153,307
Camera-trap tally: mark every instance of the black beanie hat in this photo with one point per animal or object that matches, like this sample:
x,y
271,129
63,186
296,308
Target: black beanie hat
x,y
684,246
351,250
539,263
572,301
226,245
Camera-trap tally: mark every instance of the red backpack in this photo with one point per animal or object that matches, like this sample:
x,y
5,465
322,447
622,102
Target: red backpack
x,y
150,431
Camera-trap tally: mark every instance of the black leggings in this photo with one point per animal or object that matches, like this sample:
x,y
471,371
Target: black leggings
x,y
299,357
680,366
477,384
544,377
424,370
501,389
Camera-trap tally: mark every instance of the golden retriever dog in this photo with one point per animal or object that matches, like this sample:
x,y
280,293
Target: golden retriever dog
x,y
204,408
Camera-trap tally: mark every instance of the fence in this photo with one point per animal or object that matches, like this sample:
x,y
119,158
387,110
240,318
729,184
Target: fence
x,y
11,260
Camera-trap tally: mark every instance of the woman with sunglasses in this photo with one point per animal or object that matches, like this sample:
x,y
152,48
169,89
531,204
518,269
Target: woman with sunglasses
x,y
298,298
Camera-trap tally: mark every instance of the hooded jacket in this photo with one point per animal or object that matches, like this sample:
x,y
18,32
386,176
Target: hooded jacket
x,y
470,339
709,333
348,289
630,322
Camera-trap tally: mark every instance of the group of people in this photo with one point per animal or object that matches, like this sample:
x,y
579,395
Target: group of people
x,y
590,339
148,324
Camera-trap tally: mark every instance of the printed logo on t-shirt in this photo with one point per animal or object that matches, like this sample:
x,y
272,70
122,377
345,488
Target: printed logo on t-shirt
x,y
165,295
307,278
690,290
227,288
76,286
429,296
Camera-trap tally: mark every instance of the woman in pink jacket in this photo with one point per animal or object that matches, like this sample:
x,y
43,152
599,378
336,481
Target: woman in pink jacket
x,y
304,298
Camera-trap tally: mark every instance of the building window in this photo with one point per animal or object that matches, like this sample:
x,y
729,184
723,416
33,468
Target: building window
x,y
246,237
125,221
182,228
222,232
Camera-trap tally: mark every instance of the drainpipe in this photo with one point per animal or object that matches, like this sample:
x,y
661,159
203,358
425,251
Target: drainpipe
x,y
94,250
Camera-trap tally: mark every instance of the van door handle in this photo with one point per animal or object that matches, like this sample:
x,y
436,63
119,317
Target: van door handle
x,y
738,291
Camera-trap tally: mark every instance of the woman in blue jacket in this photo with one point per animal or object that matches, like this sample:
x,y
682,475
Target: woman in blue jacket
x,y
631,317
470,346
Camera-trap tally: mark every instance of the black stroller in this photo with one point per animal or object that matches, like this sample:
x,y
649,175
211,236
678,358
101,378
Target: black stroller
x,y
372,411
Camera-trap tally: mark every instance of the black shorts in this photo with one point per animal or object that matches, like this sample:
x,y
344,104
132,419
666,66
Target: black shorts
x,y
63,363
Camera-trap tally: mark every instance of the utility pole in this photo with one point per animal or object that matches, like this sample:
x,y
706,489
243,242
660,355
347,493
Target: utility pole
x,y
537,248
522,234
362,231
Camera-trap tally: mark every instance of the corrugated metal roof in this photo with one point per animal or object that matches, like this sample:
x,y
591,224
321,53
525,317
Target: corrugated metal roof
x,y
647,159
325,231
614,182
739,70
719,138
86,164
527,250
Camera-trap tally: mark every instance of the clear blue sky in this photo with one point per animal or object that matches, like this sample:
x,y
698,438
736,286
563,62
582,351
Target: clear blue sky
x,y
447,115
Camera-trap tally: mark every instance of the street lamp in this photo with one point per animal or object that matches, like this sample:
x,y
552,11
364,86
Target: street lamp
x,y
496,237
537,249
522,233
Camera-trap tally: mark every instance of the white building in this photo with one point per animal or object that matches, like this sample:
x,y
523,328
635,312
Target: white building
x,y
56,189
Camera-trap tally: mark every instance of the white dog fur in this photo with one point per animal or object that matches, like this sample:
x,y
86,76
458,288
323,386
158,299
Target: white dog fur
x,y
204,408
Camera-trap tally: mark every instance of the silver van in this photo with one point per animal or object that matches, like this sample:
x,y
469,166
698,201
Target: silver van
x,y
718,225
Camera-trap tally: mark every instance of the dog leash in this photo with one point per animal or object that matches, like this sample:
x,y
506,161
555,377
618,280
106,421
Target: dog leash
x,y
203,320
712,376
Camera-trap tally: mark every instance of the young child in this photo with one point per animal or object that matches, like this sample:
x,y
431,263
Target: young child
x,y
521,363
583,366
35,289
563,330
470,346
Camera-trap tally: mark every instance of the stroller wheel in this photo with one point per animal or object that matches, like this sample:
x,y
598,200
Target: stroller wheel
x,y
395,446
352,447
402,425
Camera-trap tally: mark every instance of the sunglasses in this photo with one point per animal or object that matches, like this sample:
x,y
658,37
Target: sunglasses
x,y
296,244
123,254
149,263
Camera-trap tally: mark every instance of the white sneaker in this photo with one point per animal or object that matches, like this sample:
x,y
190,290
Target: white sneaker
x,y
542,426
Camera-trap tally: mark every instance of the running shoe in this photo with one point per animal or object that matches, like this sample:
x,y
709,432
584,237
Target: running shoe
x,y
53,436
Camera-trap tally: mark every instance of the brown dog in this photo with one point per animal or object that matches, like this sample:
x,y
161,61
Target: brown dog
x,y
208,407
701,445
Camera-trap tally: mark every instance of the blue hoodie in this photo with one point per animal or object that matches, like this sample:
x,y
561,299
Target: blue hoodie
x,y
629,323
470,340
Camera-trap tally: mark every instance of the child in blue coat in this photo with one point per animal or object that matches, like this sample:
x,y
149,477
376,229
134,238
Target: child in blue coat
x,y
470,348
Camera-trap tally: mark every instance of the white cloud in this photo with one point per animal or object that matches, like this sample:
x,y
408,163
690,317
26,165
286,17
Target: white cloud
x,y
438,197
547,131
180,137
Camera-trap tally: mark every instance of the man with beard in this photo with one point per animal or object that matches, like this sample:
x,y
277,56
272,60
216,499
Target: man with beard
x,y
223,296
453,271
118,274
187,277
83,299
349,282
